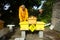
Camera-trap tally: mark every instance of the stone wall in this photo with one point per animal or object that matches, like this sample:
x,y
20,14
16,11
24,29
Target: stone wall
x,y
56,16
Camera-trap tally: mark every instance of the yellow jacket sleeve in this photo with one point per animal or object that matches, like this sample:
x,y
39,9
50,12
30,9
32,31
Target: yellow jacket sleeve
x,y
26,18
20,14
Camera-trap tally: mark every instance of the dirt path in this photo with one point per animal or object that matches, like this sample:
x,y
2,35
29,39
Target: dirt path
x,y
48,35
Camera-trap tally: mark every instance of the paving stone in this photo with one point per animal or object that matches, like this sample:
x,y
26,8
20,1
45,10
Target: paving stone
x,y
56,16
57,26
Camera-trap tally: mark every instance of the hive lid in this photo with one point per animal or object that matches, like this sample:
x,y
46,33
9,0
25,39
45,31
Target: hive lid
x,y
40,22
24,22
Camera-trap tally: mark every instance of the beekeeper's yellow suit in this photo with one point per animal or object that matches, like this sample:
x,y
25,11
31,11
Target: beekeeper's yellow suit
x,y
23,14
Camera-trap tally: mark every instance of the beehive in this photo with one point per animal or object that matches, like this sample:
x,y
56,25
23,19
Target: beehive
x,y
32,20
40,25
24,25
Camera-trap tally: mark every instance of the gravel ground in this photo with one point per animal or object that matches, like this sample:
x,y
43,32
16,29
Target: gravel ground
x,y
48,35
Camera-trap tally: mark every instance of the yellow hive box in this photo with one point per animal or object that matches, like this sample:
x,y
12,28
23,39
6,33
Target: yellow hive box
x,y
32,20
40,26
24,25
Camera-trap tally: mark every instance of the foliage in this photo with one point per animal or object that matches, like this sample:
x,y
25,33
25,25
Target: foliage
x,y
46,16
47,13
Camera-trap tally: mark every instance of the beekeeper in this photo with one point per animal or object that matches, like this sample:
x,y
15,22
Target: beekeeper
x,y
23,13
